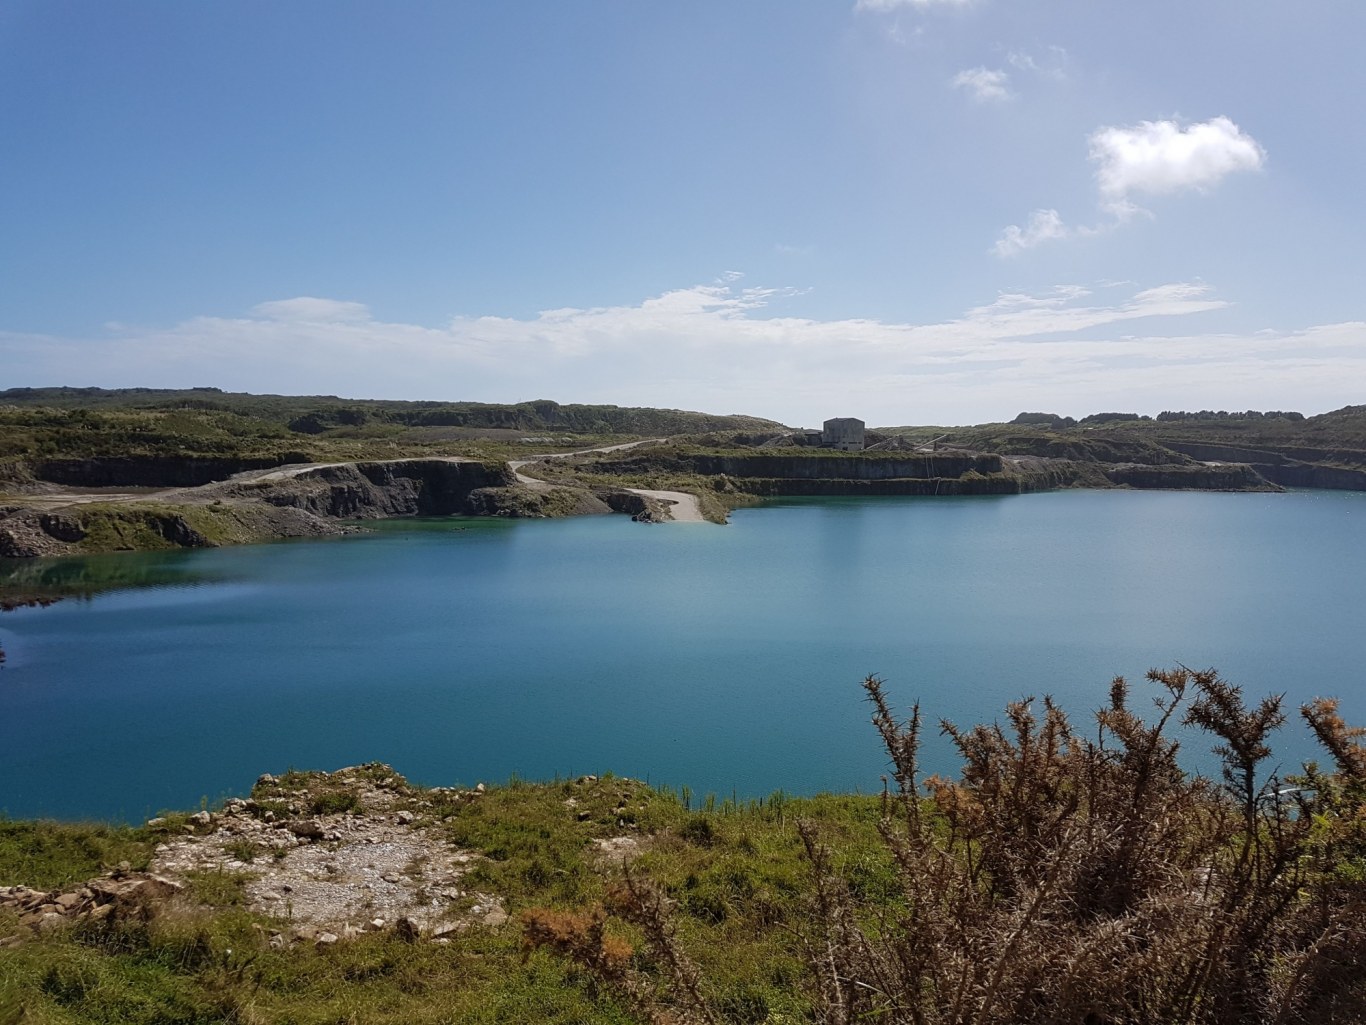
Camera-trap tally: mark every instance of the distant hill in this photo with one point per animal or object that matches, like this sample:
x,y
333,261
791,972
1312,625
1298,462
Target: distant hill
x,y
316,414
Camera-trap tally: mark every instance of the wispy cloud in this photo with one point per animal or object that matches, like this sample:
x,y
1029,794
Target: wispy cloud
x,y
891,5
725,347
984,84
1043,226
1053,65
308,308
1151,158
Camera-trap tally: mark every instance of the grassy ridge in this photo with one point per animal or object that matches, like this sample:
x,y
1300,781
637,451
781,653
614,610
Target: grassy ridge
x,y
202,413
1335,438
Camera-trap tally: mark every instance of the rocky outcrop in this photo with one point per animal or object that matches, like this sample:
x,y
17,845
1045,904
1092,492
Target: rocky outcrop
x,y
374,490
1202,477
998,484
27,534
151,471
118,896
1306,475
821,466
519,501
641,508
1291,467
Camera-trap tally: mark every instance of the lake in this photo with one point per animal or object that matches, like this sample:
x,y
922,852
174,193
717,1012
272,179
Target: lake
x,y
727,659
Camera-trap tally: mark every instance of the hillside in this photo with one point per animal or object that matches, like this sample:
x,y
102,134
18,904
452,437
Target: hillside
x,y
323,417
1323,451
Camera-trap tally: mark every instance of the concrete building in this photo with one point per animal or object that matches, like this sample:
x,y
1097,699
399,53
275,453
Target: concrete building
x,y
844,433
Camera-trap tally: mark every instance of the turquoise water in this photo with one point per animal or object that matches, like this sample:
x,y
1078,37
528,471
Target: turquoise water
x,y
724,658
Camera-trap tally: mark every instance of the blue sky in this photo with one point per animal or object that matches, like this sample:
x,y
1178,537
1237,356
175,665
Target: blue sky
x,y
914,211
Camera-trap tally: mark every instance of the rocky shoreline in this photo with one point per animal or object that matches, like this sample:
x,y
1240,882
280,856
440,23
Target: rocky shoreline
x,y
291,501
297,500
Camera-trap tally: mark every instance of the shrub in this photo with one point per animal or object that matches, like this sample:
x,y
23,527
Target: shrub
x,y
1072,878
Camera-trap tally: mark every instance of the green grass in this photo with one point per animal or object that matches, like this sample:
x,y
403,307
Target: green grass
x,y
81,423
335,803
218,889
735,872
48,855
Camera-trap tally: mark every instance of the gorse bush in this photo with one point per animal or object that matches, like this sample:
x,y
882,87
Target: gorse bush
x,y
1071,878
1081,878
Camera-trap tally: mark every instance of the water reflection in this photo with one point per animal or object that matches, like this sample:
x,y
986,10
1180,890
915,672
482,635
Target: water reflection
x,y
41,582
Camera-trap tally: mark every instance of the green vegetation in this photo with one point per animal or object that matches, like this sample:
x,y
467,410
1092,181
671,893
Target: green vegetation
x,y
80,423
50,855
716,494
1337,438
1065,875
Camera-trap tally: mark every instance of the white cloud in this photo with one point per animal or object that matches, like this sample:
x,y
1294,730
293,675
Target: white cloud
x,y
1043,225
984,84
1161,157
891,5
724,347
1155,158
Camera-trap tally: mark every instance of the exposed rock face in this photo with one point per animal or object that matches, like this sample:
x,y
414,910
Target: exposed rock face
x,y
998,484
892,466
373,490
641,508
773,472
1292,467
285,503
150,471
61,527
1218,477
26,534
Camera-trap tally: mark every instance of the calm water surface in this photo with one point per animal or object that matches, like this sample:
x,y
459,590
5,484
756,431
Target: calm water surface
x,y
724,658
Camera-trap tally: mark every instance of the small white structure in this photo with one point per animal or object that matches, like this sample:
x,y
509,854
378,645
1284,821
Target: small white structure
x,y
844,433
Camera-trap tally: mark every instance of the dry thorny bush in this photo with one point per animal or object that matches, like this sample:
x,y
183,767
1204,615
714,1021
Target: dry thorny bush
x,y
1065,878
582,938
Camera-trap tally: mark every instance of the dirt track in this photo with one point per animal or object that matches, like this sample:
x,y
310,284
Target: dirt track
x,y
683,507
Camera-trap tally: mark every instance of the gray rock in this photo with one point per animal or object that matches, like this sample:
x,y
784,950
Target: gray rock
x,y
311,829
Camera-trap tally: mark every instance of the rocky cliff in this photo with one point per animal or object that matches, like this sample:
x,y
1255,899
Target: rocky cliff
x,y
150,471
1200,477
1292,467
815,466
374,490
